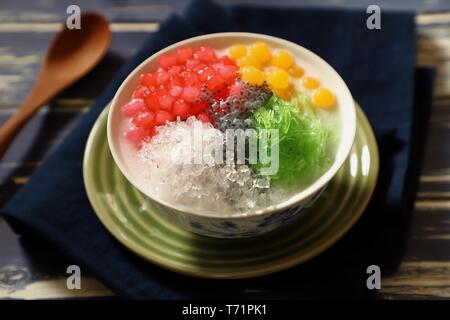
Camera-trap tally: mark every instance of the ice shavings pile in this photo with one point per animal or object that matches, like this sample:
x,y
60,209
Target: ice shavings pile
x,y
178,172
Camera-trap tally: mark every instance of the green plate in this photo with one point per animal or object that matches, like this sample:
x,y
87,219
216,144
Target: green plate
x,y
124,212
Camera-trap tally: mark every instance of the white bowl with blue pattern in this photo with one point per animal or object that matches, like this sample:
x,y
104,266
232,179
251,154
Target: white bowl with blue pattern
x,y
240,224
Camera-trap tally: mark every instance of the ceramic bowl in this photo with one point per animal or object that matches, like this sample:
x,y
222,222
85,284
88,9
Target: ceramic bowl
x,y
253,223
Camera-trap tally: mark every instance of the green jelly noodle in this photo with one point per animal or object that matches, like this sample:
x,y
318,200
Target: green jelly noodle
x,y
302,139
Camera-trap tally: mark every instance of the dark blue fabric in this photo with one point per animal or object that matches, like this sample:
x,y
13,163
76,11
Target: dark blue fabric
x,y
377,65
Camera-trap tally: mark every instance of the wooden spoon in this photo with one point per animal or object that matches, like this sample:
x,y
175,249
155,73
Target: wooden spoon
x,y
71,55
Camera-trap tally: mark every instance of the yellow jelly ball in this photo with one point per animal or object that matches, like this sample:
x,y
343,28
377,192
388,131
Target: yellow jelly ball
x,y
253,76
283,94
323,98
278,79
282,59
261,52
249,61
238,51
310,82
296,72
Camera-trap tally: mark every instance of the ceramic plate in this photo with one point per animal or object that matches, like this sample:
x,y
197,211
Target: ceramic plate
x,y
128,217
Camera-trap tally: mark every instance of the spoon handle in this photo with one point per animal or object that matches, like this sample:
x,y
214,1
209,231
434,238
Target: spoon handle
x,y
12,126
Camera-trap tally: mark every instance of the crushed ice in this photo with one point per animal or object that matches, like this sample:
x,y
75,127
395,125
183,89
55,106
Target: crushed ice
x,y
179,173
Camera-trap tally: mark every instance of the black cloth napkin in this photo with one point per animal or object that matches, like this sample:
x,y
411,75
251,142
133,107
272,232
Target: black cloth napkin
x,y
379,68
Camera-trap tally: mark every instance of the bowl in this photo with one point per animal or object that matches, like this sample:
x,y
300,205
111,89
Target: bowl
x,y
241,224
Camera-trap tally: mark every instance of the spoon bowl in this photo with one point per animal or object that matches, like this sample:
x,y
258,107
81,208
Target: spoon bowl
x,y
80,50
72,53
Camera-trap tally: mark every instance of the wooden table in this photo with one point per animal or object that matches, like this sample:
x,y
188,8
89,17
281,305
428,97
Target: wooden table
x,y
29,271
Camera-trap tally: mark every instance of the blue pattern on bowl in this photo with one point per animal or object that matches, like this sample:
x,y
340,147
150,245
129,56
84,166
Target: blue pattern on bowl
x,y
236,228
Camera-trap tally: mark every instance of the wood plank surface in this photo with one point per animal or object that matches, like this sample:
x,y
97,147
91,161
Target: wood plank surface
x,y
28,271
